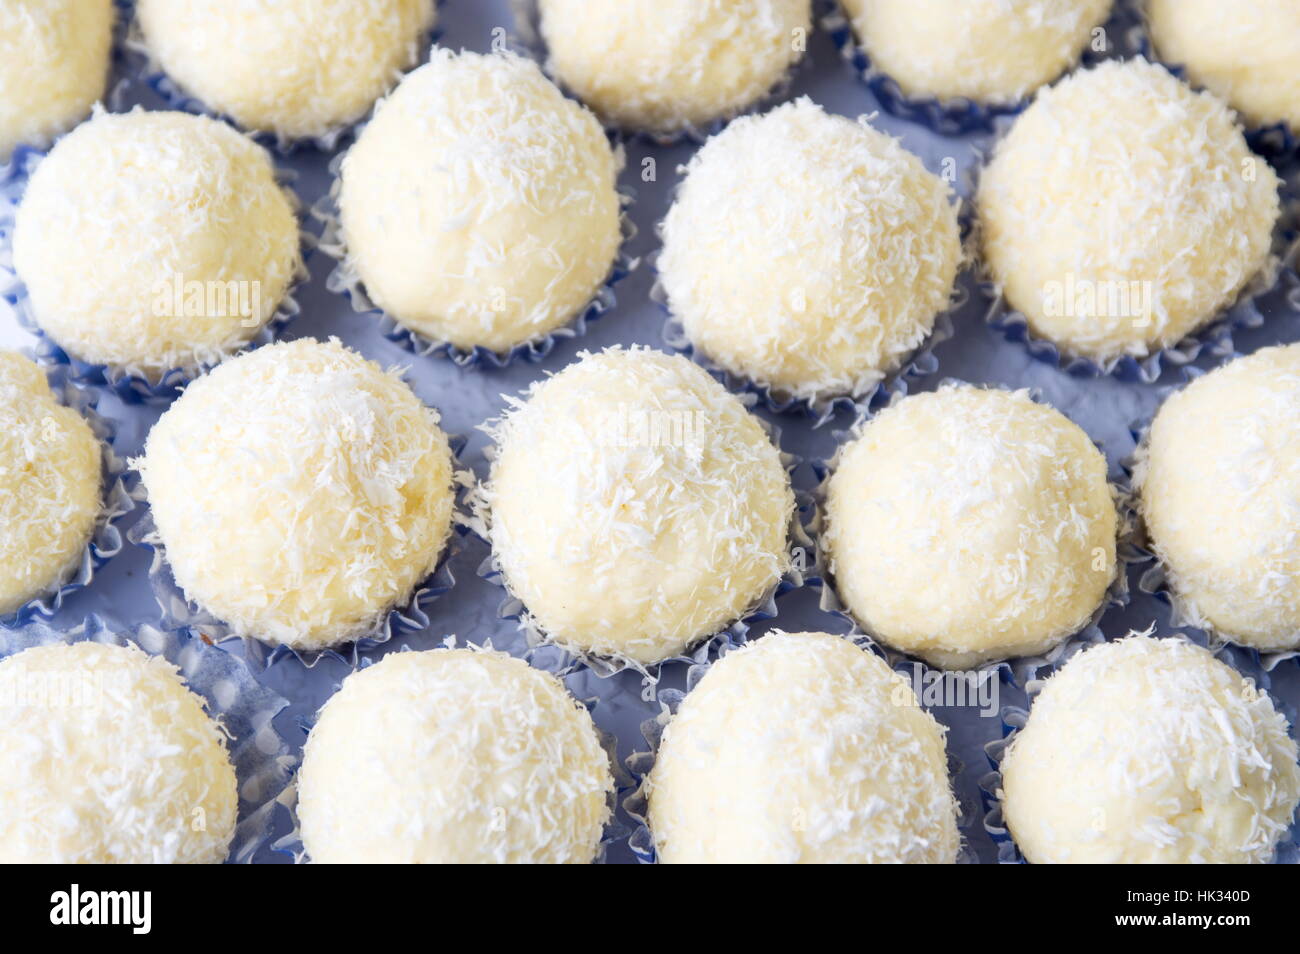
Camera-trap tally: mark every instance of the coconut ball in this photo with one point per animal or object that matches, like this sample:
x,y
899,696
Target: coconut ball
x,y
636,507
295,68
990,51
802,749
54,58
663,66
966,525
808,252
155,240
301,492
453,757
107,758
479,206
1123,211
1220,486
1150,751
50,466
1245,51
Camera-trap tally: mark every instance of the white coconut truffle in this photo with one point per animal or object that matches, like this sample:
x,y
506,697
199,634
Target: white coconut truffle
x,y
802,749
155,240
636,507
300,491
1150,751
1244,51
294,68
50,467
663,66
1220,496
991,51
1144,218
453,757
967,525
106,757
808,252
54,58
479,206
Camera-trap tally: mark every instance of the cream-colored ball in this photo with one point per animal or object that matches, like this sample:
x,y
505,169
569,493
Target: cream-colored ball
x,y
479,206
968,525
1123,211
155,240
106,757
295,68
1220,495
301,492
666,65
802,749
1150,751
54,58
636,506
49,484
453,757
809,252
1245,51
992,51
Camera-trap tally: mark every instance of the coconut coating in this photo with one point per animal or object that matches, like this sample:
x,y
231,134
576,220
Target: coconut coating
x,y
295,68
54,58
966,525
106,757
808,252
155,240
1150,751
453,757
1145,218
636,507
802,748
479,205
300,491
662,66
50,470
1219,484
991,51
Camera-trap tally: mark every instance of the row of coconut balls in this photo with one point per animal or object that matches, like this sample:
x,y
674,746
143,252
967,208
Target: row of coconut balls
x,y
805,253
635,508
794,748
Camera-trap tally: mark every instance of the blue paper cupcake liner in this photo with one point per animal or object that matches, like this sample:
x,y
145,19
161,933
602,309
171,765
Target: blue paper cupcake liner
x,y
233,698
641,762
106,538
1013,719
131,385
1017,671
545,659
411,616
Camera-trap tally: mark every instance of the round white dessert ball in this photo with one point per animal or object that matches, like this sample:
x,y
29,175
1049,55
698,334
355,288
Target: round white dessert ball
x,y
1150,751
636,507
990,51
1145,217
155,240
1245,51
802,748
301,492
479,207
106,757
809,252
294,68
453,757
54,57
967,525
1219,481
662,66
50,494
